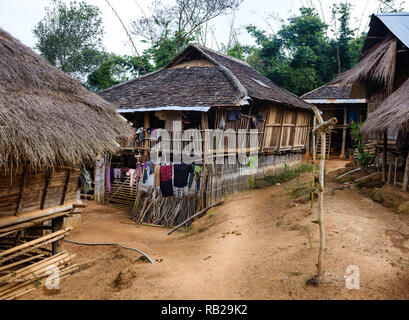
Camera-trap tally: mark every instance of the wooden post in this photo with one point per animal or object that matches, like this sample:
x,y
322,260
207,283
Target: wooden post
x,y
20,196
308,142
322,128
45,191
314,141
64,192
390,174
395,179
57,224
280,137
344,134
385,155
146,127
406,176
295,129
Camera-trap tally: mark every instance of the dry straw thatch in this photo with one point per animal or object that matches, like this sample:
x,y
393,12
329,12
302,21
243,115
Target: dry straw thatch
x,y
393,113
46,117
377,66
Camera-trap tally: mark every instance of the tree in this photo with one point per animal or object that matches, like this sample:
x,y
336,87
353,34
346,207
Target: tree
x,y
116,69
70,37
300,57
171,27
390,6
341,15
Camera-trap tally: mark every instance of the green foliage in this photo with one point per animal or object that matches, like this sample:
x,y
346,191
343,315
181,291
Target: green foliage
x,y
70,37
300,56
364,158
288,174
116,69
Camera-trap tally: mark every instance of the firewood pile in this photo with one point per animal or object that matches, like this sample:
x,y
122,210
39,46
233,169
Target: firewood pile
x,y
369,148
151,207
28,257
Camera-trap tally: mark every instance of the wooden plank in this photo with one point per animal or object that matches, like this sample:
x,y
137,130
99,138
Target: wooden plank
x,y
280,137
64,192
47,183
20,197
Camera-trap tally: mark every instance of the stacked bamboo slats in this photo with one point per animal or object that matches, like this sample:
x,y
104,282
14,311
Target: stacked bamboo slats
x,y
26,261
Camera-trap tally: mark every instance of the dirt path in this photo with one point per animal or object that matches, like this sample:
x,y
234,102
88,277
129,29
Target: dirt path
x,y
254,246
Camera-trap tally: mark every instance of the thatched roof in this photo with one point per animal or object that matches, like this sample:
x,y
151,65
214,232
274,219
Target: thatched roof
x,y
393,113
199,77
377,65
46,117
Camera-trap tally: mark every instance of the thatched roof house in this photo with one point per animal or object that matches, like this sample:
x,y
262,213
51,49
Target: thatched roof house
x,y
384,62
393,113
46,117
198,77
50,126
203,89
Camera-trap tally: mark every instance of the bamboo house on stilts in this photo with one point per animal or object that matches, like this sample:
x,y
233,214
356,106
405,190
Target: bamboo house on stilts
x,y
383,73
198,92
50,127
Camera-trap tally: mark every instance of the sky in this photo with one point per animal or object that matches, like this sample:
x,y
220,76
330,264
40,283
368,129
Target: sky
x,y
18,17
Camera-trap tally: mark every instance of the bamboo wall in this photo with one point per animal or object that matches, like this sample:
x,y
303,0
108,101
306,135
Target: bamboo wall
x,y
27,191
286,129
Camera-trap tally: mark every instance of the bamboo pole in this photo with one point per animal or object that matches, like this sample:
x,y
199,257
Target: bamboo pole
x,y
321,129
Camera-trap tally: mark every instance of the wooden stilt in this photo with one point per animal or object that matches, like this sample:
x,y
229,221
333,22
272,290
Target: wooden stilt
x,y
390,174
406,176
395,177
385,155
57,225
344,135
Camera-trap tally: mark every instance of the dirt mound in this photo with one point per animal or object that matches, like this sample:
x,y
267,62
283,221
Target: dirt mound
x,y
124,279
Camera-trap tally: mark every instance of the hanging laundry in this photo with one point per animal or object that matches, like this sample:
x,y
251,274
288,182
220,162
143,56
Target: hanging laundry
x,y
140,135
117,173
131,175
222,124
86,181
166,181
234,115
181,173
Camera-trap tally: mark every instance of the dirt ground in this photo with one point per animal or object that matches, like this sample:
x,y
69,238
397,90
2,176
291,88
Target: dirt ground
x,y
254,246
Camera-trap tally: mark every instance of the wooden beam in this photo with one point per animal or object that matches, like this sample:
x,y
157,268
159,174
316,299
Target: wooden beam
x,y
295,129
45,191
344,135
385,155
146,127
64,192
390,174
20,196
57,224
280,136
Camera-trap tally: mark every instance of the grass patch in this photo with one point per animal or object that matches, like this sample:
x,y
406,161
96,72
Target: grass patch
x,y
288,174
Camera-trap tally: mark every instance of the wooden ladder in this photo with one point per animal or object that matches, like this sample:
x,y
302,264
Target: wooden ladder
x,y
327,147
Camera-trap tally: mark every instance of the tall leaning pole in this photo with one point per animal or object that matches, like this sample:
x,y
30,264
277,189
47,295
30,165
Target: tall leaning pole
x,y
321,129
